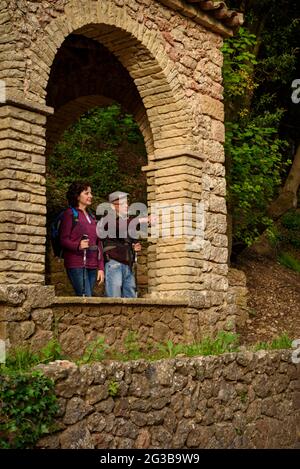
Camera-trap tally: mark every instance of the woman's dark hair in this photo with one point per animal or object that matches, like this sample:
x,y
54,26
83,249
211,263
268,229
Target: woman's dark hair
x,y
75,190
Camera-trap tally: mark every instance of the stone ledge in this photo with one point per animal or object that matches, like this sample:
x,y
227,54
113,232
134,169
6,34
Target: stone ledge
x,y
17,100
66,300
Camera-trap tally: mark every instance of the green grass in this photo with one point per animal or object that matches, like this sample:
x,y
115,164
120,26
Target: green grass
x,y
287,260
133,350
279,343
22,359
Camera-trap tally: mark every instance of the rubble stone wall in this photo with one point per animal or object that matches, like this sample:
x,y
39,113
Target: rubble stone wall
x,y
243,400
34,316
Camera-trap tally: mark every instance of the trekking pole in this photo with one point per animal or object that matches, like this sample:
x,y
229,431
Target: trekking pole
x,y
84,268
135,272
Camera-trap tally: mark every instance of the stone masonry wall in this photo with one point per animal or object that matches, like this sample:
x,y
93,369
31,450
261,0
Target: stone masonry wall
x,y
239,295
34,316
244,400
173,57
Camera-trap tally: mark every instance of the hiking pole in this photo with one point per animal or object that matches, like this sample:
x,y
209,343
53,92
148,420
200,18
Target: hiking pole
x,y
84,237
135,272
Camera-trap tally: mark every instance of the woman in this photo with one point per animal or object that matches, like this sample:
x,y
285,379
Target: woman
x,y
83,254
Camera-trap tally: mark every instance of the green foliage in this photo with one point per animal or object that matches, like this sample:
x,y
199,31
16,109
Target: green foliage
x,y
291,220
289,261
252,144
51,352
279,343
28,407
290,229
274,236
243,396
257,165
239,61
223,343
28,402
279,58
94,149
132,347
95,351
259,66
23,358
170,349
113,388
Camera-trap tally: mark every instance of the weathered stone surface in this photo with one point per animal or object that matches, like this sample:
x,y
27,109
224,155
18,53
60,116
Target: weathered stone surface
x,y
173,54
96,394
96,422
201,402
73,341
18,333
43,318
12,295
41,297
76,437
76,410
40,340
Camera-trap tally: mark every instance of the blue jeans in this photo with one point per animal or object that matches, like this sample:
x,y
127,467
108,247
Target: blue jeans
x,y
82,280
119,280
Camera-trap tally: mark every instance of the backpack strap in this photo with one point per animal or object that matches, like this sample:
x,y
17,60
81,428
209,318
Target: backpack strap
x,y
75,216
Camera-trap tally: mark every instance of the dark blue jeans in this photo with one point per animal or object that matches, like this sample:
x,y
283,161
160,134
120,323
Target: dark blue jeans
x,y
82,280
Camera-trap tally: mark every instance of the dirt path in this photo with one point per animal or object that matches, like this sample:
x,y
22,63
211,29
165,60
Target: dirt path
x,y
274,300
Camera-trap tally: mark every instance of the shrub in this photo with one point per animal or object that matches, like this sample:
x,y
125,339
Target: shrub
x,y
28,406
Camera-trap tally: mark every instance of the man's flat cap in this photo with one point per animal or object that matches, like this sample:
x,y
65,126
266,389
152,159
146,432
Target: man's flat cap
x,y
117,195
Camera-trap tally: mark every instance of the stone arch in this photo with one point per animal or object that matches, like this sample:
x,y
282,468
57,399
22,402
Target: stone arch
x,y
162,112
162,50
65,115
84,75
140,51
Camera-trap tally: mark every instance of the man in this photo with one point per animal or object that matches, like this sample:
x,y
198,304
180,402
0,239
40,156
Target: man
x,y
119,248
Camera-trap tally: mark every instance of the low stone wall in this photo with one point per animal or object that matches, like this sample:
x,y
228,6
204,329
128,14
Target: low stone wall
x,y
35,315
244,400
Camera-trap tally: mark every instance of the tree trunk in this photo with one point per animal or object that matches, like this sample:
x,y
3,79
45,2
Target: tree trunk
x,y
288,195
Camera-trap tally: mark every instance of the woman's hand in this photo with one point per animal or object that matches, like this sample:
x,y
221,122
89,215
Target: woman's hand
x,y
84,244
100,276
137,247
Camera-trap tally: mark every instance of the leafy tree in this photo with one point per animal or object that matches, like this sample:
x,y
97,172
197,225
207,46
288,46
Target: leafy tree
x,y
260,63
104,147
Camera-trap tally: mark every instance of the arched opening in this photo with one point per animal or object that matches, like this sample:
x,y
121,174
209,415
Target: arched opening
x,y
86,76
82,68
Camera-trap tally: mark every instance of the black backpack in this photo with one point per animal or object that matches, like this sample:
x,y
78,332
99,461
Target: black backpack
x,y
55,233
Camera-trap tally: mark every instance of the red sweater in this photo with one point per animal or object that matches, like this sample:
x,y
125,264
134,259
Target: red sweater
x,y
70,237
